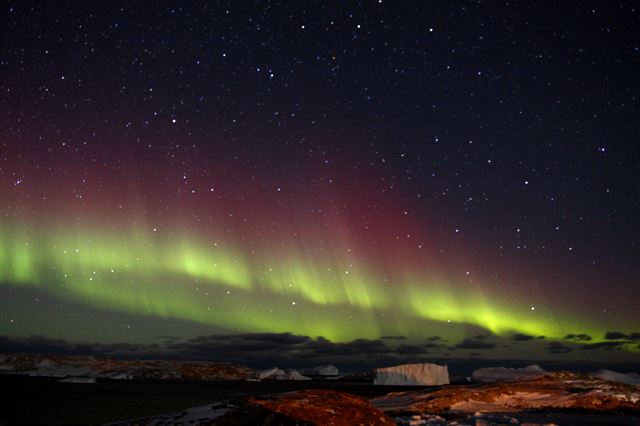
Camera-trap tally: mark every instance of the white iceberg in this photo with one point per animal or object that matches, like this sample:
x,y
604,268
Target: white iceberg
x,y
270,373
293,375
412,374
322,370
498,374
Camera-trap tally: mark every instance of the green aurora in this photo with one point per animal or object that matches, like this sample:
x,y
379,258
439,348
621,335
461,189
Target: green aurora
x,y
223,285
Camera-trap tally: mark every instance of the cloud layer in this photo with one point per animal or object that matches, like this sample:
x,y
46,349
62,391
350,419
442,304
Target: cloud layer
x,y
291,350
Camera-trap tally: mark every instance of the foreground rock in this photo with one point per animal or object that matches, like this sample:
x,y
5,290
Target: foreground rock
x,y
550,391
310,407
109,368
412,374
497,374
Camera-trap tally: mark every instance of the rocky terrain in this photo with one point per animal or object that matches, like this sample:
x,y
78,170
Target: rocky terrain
x,y
559,391
498,395
308,407
109,368
547,399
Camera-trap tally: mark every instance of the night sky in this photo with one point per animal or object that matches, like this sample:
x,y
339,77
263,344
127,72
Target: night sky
x,y
396,179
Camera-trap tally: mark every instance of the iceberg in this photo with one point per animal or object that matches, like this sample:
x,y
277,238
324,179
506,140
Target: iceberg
x,y
412,374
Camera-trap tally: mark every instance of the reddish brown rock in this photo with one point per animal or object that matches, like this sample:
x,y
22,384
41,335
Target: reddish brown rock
x,y
308,407
550,391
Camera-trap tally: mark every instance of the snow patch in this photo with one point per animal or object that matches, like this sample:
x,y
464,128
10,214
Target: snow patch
x,y
78,380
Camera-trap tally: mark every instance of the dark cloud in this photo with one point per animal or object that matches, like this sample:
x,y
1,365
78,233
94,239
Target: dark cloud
x,y
483,336
261,350
519,337
615,335
293,350
617,345
410,349
558,348
168,339
474,344
278,338
41,344
583,337
228,346
393,337
356,347
254,349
